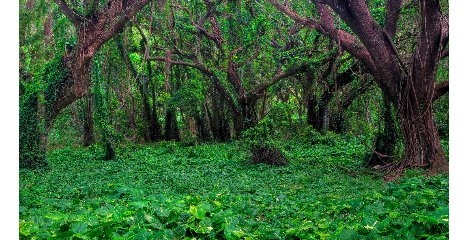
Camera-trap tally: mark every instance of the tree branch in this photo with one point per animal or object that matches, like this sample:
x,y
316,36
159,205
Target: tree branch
x,y
278,77
440,89
144,37
72,15
294,16
199,25
393,9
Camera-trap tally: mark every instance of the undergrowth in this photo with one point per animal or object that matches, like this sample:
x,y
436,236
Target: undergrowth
x,y
212,191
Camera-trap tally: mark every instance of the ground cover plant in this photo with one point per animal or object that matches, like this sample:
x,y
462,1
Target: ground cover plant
x,y
213,191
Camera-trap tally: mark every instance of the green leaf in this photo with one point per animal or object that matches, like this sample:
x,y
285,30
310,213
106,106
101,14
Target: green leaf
x,y
27,228
79,227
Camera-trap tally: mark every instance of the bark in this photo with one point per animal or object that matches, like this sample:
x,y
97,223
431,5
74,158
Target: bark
x,y
248,117
311,109
92,33
48,34
152,125
219,123
422,144
318,115
32,149
88,137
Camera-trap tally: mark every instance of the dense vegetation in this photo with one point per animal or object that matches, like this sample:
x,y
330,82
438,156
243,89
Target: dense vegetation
x,y
212,191
211,119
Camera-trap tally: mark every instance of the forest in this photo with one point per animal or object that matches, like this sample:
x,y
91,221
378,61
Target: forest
x,y
233,119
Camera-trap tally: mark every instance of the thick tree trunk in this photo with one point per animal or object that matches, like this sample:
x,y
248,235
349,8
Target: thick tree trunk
x,y
338,122
311,109
155,128
220,125
422,145
217,115
32,149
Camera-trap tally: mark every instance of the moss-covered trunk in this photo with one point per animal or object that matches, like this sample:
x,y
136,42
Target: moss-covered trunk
x,y
32,149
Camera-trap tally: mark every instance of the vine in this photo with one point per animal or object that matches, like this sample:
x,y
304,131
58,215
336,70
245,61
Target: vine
x,y
35,106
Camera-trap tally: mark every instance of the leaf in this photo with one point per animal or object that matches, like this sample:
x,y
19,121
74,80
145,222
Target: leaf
x,y
138,204
57,216
27,228
162,212
79,227
200,211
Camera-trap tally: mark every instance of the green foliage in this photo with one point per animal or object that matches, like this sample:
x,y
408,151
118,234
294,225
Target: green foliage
x,y
35,105
167,191
32,154
276,124
103,114
54,77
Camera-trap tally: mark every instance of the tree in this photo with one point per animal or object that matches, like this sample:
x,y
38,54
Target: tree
x,y
67,78
230,62
410,85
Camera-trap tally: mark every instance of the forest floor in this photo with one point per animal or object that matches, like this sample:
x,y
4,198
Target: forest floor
x,y
212,191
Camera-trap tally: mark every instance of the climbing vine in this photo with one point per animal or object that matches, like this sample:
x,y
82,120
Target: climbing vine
x,y
35,105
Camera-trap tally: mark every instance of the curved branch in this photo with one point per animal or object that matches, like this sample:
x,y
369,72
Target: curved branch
x,y
278,77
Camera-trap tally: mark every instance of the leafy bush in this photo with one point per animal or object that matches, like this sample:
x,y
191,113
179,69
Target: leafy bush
x,y
278,123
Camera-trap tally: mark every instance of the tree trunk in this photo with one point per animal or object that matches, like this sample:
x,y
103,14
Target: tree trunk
x,y
311,108
247,117
68,79
338,122
386,139
422,145
171,126
32,149
202,127
219,124
88,122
